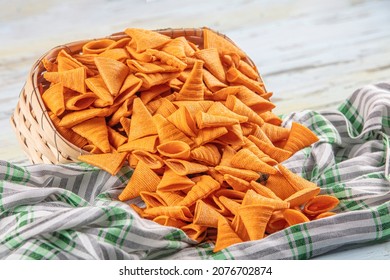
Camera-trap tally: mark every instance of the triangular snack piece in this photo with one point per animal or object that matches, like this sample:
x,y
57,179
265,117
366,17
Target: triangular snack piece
x,y
214,202
194,106
193,86
137,209
248,70
324,215
97,46
174,149
143,67
217,41
125,122
212,83
227,154
236,77
119,54
251,197
223,93
166,108
142,56
302,196
171,181
115,138
212,62
320,204
168,59
294,217
177,212
230,204
170,197
73,79
218,109
154,79
143,39
205,215
147,144
168,132
113,73
49,65
207,154
76,117
204,120
121,43
234,136
263,190
245,174
66,62
259,153
152,199
299,138
209,134
68,133
239,227
276,222
53,98
123,111
254,101
110,162
205,186
183,120
183,167
95,130
148,95
245,159
142,179
195,232
129,87
271,118
274,152
237,106
169,222
98,87
279,185
152,160
232,194
80,101
178,47
215,174
260,135
226,236
275,133
142,123
255,218
236,183
295,180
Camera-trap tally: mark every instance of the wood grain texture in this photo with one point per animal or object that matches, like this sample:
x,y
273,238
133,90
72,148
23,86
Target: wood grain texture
x,y
311,54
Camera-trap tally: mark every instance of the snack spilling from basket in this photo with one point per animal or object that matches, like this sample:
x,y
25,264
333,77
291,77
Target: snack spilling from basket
x,y
187,109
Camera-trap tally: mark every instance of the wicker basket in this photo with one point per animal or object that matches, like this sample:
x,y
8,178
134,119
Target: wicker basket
x,y
31,122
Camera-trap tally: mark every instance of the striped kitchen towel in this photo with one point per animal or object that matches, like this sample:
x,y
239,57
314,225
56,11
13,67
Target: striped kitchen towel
x,y
71,211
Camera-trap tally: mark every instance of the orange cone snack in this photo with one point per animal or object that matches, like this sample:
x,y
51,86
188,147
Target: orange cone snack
x,y
54,99
320,204
143,179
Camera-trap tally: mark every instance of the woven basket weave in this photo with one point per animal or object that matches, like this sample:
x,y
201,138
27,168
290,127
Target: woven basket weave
x,y
33,127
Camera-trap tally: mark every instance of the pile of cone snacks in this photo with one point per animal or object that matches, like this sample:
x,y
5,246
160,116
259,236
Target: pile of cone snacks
x,y
195,122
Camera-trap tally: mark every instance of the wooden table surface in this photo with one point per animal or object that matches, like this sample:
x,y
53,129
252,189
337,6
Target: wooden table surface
x,y
311,54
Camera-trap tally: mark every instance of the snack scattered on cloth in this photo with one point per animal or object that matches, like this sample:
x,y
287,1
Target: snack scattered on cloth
x,y
71,211
196,124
